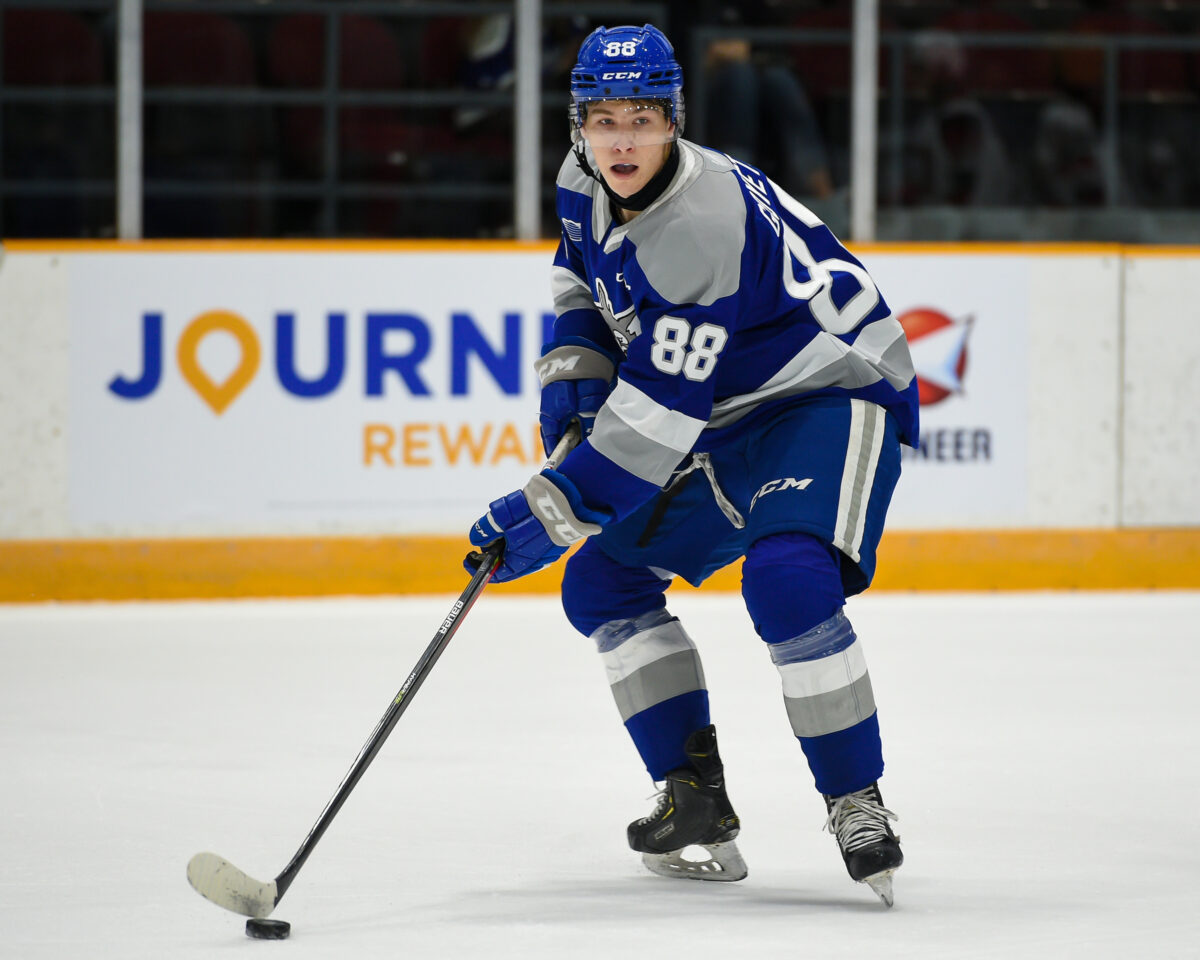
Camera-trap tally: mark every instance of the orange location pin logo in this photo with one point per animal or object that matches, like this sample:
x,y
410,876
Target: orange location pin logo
x,y
218,395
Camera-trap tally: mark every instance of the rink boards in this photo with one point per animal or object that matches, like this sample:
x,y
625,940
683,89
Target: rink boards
x,y
239,419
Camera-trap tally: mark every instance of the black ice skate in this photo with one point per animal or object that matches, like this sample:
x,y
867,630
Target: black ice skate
x,y
872,853
693,815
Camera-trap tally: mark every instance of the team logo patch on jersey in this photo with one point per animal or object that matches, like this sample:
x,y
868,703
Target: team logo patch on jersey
x,y
623,323
938,345
574,229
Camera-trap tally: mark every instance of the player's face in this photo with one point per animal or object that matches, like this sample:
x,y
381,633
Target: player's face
x,y
630,141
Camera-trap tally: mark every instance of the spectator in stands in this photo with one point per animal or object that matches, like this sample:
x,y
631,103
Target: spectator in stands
x,y
952,153
489,59
1067,165
756,109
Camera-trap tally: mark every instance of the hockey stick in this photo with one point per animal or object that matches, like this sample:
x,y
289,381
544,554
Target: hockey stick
x,y
218,880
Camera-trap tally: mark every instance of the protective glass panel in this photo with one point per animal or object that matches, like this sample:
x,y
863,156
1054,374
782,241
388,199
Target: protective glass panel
x,y
625,125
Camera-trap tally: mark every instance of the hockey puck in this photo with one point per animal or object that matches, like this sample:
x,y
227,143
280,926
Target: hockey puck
x,y
262,929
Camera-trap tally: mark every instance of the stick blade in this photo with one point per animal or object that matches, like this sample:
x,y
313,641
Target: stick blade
x,y
218,880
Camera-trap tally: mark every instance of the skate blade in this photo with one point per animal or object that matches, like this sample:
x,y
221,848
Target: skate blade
x,y
701,861
881,883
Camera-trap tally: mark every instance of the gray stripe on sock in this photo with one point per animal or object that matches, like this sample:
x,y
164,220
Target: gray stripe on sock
x,y
831,712
661,680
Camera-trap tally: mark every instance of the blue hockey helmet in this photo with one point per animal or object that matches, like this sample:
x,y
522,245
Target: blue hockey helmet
x,y
626,63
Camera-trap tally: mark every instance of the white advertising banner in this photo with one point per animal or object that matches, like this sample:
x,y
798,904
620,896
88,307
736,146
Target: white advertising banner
x,y
307,393
330,392
967,322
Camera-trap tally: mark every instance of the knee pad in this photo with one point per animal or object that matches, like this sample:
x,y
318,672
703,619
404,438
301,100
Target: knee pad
x,y
791,582
597,590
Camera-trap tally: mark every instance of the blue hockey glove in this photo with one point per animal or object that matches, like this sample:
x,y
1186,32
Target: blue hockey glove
x,y
577,376
537,525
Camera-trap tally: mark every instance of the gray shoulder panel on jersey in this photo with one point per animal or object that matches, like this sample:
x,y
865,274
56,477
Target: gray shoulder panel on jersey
x,y
569,291
691,248
571,176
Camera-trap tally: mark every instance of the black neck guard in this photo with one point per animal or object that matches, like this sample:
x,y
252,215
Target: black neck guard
x,y
644,197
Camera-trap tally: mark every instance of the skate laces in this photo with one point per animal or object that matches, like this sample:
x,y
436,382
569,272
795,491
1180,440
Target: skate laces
x,y
663,800
858,819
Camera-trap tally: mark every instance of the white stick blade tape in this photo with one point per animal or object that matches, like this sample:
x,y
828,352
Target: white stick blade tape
x,y
218,880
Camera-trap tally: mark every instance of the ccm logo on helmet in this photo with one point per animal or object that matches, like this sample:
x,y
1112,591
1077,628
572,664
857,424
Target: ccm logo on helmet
x,y
621,75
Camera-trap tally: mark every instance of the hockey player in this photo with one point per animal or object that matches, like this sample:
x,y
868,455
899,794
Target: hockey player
x,y
743,391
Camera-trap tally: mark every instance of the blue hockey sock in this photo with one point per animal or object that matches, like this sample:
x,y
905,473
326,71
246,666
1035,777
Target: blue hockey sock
x,y
660,732
656,679
831,706
793,590
653,667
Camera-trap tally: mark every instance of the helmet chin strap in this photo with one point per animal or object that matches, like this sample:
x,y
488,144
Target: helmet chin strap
x,y
644,197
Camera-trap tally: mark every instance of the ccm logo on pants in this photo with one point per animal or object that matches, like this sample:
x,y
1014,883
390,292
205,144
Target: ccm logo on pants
x,y
774,486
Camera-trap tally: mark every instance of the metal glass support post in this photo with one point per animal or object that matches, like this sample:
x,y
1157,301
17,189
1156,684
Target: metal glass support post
x,y
129,120
863,129
1110,139
331,121
527,140
895,173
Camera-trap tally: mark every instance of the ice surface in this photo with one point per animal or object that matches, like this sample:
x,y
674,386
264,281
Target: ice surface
x,y
1043,755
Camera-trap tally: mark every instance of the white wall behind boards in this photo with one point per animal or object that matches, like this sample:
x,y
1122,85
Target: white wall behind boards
x,y
1160,468
1075,412
33,396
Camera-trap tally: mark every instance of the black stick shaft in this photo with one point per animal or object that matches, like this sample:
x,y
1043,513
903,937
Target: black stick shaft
x,y
371,748
441,639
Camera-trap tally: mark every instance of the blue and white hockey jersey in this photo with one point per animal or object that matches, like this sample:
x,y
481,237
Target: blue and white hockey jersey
x,y
728,299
